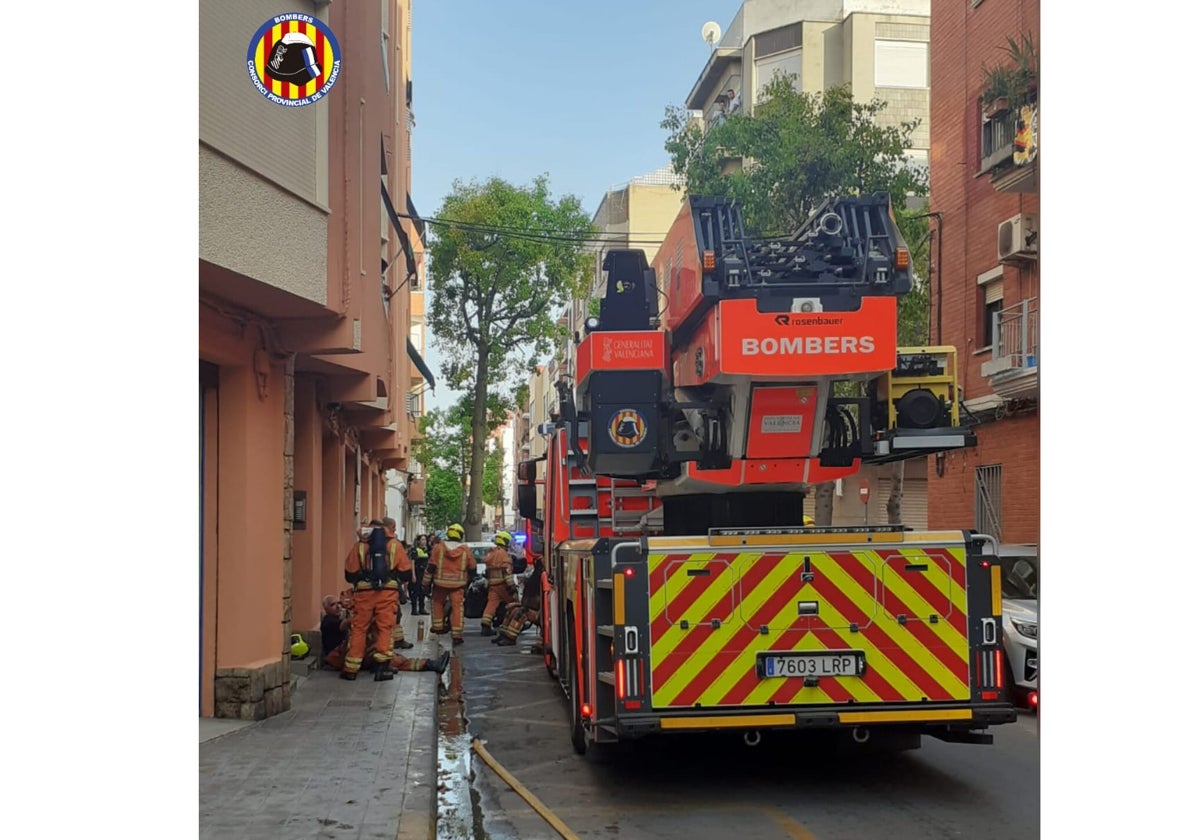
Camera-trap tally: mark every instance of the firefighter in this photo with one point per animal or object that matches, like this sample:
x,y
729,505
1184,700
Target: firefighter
x,y
447,571
502,586
528,612
402,563
371,570
809,521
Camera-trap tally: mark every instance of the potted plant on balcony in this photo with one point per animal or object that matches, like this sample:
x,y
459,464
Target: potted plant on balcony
x,y
1010,83
998,83
1024,64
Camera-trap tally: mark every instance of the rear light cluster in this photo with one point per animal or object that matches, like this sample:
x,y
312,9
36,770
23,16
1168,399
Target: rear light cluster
x,y
989,673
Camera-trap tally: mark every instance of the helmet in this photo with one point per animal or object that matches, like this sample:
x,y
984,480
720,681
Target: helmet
x,y
454,532
809,522
299,646
503,538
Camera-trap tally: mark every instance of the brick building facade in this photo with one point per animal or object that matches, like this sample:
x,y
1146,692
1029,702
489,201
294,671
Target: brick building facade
x,y
984,190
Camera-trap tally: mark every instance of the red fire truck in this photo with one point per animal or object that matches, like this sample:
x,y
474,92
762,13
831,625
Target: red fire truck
x,y
684,591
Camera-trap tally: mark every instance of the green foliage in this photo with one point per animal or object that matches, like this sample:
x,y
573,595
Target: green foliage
x,y
796,150
493,476
443,497
1016,76
498,281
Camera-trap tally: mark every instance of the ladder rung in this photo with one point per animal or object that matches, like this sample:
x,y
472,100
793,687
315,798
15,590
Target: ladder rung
x,y
605,630
606,677
578,512
604,583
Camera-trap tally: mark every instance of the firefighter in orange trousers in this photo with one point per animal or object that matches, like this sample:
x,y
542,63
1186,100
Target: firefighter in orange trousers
x,y
371,570
337,658
502,586
447,571
529,611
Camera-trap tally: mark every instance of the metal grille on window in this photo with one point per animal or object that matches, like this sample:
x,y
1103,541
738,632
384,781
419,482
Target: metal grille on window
x,y
987,500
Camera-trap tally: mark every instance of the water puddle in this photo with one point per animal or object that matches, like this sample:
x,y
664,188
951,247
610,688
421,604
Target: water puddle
x,y
460,816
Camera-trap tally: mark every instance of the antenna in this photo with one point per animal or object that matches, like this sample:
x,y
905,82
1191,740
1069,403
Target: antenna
x,y
711,33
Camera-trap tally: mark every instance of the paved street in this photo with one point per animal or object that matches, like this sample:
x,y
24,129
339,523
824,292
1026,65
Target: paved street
x,y
717,787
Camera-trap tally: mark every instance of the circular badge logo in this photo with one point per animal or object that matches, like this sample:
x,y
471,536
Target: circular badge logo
x,y
627,428
293,60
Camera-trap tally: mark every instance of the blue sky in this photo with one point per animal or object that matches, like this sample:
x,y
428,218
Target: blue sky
x,y
515,89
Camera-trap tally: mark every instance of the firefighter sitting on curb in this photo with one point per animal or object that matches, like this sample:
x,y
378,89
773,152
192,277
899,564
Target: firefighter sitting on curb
x,y
372,571
502,586
529,611
447,571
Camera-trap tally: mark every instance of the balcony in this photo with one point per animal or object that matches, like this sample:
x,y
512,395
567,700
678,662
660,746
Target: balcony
x,y
1008,148
1013,368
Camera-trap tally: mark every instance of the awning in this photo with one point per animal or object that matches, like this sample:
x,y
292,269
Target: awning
x,y
416,219
391,211
415,355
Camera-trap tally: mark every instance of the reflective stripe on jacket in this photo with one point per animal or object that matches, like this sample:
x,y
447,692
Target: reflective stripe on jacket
x,y
499,568
448,566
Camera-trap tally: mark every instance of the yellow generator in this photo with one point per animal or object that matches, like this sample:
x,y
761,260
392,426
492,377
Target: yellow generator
x,y
915,405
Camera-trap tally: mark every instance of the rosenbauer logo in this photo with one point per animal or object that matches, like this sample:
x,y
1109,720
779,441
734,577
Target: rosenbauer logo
x,y
293,60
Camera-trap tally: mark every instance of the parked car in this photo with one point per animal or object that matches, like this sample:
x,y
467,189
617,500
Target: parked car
x,y
1019,601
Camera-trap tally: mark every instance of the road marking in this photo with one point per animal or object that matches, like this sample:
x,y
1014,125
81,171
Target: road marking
x,y
793,828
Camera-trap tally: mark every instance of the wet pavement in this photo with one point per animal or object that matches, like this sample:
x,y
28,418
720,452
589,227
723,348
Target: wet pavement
x,y
348,760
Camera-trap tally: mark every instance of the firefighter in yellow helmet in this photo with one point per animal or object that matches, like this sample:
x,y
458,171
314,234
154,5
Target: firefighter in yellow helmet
x,y
502,586
809,521
447,572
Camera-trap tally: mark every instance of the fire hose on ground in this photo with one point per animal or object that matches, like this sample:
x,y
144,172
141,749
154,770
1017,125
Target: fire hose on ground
x,y
537,804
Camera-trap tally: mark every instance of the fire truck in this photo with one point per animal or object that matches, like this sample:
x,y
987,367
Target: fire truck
x,y
684,589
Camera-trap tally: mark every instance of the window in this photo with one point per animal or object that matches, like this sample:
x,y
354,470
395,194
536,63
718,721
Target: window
x,y
987,500
902,64
786,64
991,294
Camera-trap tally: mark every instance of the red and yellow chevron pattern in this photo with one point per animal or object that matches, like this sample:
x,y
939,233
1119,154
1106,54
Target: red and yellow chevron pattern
x,y
713,663
324,57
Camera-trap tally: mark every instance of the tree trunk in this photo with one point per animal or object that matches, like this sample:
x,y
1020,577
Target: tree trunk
x,y
823,504
479,433
897,493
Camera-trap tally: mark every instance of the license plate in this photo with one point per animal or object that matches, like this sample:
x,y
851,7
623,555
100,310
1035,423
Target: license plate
x,y
829,663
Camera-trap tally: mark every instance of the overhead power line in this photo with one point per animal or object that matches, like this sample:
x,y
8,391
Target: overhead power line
x,y
544,234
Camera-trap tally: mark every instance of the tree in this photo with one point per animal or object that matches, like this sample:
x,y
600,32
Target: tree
x,y
493,476
445,442
443,497
796,150
504,262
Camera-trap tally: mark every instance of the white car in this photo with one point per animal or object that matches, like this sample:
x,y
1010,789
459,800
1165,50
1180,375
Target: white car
x,y
1019,591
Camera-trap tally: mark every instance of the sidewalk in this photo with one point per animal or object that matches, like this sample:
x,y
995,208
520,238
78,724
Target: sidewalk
x,y
348,760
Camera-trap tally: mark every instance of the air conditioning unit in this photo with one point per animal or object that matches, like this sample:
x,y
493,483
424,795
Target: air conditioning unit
x,y
1017,238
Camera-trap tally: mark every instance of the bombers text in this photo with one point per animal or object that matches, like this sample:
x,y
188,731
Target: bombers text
x,y
807,345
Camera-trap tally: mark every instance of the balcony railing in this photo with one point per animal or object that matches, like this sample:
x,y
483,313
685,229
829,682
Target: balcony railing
x,y
996,141
1014,362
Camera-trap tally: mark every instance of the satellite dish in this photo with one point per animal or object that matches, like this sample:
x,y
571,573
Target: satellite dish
x,y
711,33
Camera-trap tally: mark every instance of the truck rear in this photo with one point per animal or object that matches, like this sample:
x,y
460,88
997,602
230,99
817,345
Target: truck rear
x,y
871,631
